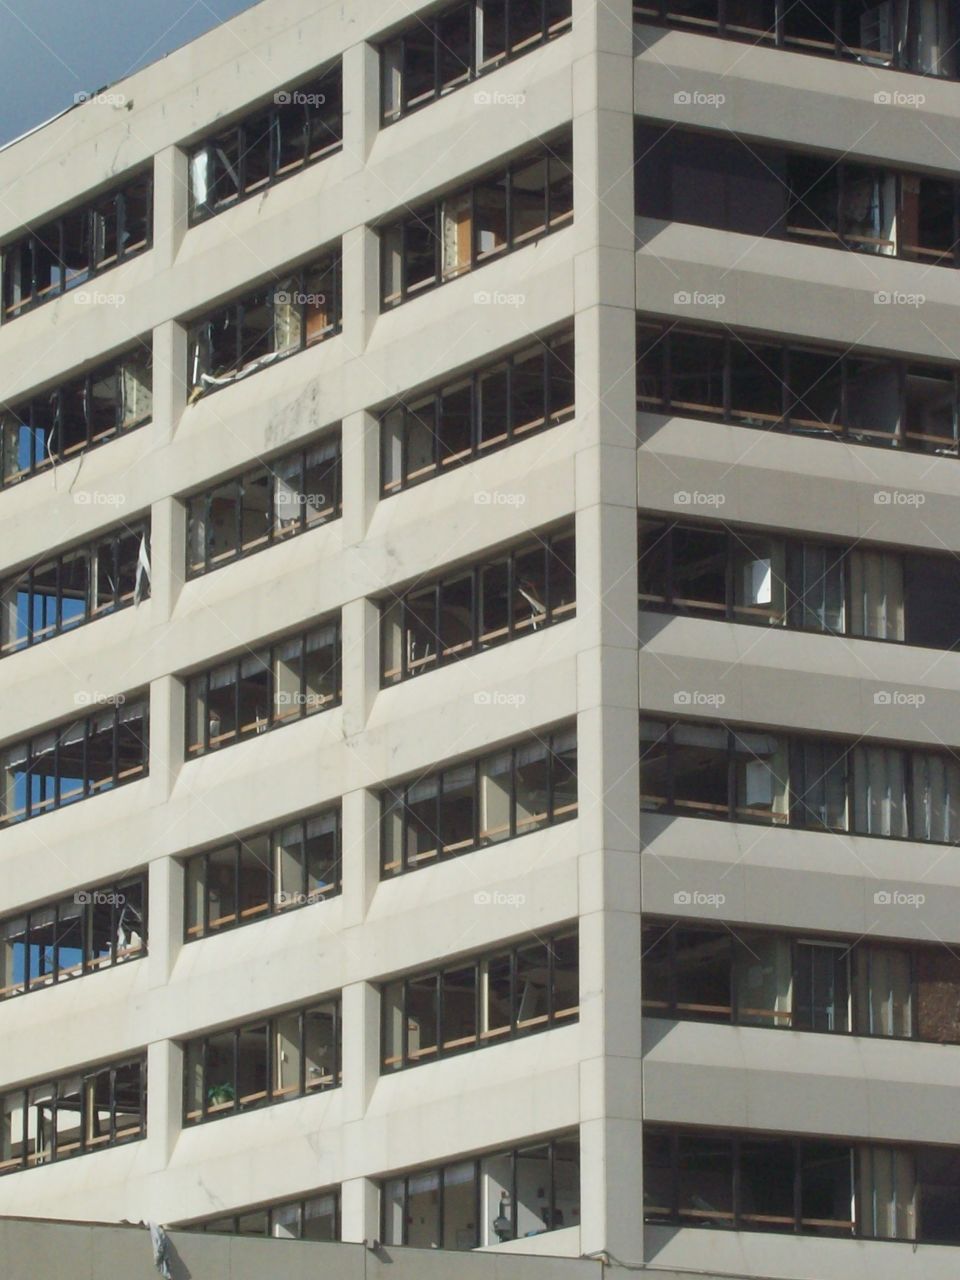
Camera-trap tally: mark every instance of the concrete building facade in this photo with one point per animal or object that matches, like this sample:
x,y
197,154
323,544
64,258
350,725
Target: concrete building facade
x,y
551,925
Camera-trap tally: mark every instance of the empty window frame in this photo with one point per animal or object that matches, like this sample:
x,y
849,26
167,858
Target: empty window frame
x,y
747,576
456,233
265,873
260,689
252,510
269,1060
477,413
504,1195
482,1000
703,179
74,1115
753,977
520,591
877,33
76,760
827,392
433,56
467,806
76,416
296,128
277,320
70,249
91,929
869,788
74,587
317,1217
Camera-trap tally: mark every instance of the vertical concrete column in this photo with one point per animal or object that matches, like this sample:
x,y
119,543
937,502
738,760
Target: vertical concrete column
x,y
167,709
361,474
361,1047
165,918
169,379
361,853
607,679
168,550
361,104
359,1209
171,203
360,620
164,1100
361,287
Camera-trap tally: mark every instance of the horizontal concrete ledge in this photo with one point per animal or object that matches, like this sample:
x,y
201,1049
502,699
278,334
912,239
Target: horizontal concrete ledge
x,y
33,1249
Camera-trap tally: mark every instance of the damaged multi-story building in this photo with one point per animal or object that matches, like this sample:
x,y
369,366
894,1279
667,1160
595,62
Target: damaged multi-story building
x,y
478,645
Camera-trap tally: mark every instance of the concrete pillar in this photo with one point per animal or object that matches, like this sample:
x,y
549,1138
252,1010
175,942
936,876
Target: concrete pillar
x,y
361,474
608,692
167,735
169,378
361,854
171,203
168,550
165,896
164,1100
360,620
361,104
360,1209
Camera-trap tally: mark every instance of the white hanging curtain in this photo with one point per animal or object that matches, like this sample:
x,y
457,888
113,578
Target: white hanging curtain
x,y
200,177
935,798
879,791
137,391
883,991
887,1193
876,595
287,323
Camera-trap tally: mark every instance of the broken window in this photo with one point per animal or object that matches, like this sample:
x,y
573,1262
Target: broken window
x,y
497,797
519,1193
260,690
259,328
263,873
531,587
287,496
70,589
75,416
76,935
447,237
75,760
74,1115
434,56
481,411
262,1063
66,252
300,126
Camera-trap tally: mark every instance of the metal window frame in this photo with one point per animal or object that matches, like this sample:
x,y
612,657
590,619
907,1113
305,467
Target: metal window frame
x,y
87,211
235,1031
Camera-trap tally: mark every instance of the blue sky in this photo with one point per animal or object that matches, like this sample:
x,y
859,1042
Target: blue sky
x,y
53,49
